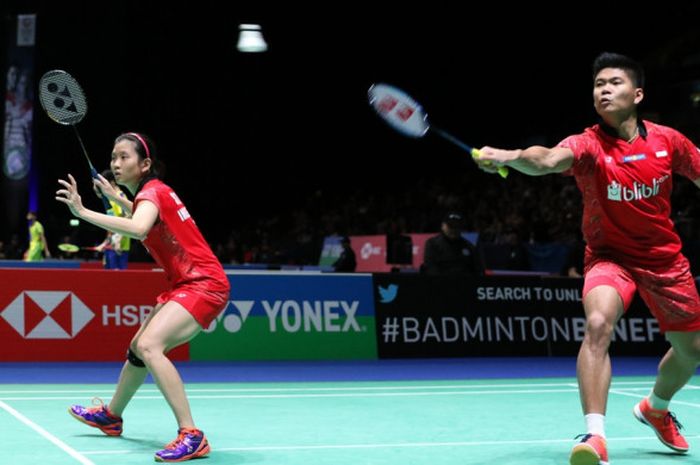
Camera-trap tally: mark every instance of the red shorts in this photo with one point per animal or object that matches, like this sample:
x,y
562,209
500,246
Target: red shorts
x,y
669,292
204,300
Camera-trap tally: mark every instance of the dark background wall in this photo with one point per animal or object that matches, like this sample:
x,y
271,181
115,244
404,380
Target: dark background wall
x,y
247,135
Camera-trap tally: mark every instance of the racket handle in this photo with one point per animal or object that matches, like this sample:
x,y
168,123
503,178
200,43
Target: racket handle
x,y
502,170
105,202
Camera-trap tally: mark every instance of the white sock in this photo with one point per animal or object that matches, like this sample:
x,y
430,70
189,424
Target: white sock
x,y
657,403
595,424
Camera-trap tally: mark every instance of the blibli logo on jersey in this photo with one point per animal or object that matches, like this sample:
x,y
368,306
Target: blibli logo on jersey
x,y
638,191
614,191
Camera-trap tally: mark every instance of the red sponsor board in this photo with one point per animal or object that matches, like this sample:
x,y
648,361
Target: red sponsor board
x,y
419,248
75,315
370,252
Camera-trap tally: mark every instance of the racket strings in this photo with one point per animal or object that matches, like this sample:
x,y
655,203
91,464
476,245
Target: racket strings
x,y
62,97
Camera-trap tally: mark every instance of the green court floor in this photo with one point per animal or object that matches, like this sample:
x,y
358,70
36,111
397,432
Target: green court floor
x,y
514,422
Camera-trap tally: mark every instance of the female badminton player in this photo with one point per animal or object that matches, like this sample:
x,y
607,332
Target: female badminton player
x,y
198,289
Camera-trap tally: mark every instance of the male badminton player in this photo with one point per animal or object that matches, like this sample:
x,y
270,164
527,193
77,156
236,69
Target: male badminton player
x,y
38,247
623,167
198,290
115,246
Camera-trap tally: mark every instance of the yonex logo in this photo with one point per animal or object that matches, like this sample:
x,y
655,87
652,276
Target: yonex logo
x,y
47,314
232,322
291,316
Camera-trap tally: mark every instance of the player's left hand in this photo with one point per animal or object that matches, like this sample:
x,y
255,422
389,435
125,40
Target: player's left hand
x,y
70,195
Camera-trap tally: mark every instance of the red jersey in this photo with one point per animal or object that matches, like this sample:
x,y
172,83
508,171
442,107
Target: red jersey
x,y
626,189
175,242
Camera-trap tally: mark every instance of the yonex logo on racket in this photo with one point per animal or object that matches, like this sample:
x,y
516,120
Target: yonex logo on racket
x,y
386,104
47,314
389,103
63,99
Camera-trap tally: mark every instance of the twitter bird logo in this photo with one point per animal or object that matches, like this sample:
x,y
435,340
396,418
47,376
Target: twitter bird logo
x,y
389,294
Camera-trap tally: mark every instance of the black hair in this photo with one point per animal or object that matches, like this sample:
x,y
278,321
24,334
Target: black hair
x,y
108,175
615,60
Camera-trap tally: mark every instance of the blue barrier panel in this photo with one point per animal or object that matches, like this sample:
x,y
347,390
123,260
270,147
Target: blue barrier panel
x,y
42,264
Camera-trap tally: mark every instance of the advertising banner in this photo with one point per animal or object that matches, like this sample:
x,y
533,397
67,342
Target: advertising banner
x,y
75,315
292,316
448,316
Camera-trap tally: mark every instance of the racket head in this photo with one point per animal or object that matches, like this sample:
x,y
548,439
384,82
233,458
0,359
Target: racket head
x,y
398,110
70,248
62,98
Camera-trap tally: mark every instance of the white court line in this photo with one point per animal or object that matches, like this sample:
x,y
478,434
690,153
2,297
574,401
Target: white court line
x,y
675,402
301,396
392,445
62,445
321,389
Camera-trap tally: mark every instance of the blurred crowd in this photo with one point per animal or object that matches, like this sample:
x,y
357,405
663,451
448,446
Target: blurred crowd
x,y
516,214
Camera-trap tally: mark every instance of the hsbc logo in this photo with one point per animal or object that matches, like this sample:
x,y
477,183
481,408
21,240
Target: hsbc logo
x,y
47,314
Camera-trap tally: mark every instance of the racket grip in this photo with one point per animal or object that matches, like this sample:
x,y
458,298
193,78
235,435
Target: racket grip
x,y
105,202
502,170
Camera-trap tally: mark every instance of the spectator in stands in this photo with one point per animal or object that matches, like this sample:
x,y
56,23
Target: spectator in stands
x,y
517,256
623,167
574,262
347,261
14,249
450,253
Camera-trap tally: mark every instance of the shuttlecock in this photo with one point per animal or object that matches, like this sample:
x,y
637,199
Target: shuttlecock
x,y
250,39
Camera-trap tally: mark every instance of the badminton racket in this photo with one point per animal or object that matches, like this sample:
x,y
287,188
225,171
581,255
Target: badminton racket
x,y
72,248
64,102
407,116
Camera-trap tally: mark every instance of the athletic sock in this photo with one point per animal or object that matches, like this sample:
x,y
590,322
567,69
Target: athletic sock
x,y
595,424
657,403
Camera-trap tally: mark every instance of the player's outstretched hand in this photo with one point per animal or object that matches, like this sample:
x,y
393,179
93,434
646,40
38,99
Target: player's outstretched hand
x,y
491,159
70,195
